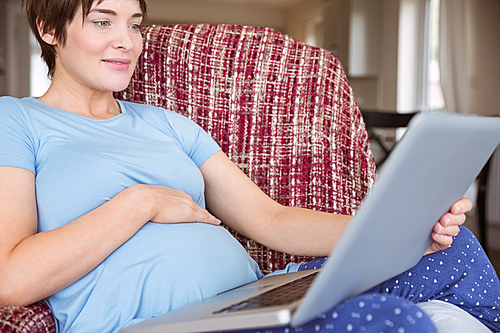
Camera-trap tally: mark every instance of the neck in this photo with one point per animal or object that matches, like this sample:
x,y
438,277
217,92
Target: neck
x,y
85,102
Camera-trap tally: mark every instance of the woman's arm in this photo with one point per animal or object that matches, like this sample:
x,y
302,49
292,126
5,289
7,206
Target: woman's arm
x,y
36,265
239,203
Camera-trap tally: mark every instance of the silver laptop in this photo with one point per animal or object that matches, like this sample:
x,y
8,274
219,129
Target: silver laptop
x,y
431,168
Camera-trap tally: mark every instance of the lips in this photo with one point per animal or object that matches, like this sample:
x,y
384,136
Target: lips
x,y
117,63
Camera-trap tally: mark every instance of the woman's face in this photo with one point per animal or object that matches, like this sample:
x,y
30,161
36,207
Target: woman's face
x,y
101,52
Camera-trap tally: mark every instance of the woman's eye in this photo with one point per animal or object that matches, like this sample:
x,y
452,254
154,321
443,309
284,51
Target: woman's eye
x,y
135,27
102,24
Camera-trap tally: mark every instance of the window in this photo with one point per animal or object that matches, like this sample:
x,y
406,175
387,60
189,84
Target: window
x,y
432,92
39,82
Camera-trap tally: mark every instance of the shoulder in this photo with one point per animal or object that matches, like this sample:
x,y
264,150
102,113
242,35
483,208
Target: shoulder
x,y
11,104
12,108
26,112
7,102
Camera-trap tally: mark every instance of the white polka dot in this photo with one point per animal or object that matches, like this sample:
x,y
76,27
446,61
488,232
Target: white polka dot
x,y
349,328
317,328
397,311
335,315
361,304
369,317
419,314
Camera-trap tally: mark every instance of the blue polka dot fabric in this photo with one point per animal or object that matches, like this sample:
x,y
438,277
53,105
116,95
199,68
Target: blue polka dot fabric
x,y
461,275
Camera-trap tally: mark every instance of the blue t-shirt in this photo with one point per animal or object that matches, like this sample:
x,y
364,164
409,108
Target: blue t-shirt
x,y
80,163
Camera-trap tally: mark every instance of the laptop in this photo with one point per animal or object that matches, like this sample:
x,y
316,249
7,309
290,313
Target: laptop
x,y
431,168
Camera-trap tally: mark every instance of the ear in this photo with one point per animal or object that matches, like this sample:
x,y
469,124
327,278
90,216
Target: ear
x,y
48,37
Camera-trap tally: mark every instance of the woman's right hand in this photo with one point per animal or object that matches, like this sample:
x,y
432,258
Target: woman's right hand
x,y
166,205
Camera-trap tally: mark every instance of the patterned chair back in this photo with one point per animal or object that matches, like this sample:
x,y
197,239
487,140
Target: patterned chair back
x,y
281,110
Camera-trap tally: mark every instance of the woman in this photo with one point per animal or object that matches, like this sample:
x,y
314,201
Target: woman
x,y
103,202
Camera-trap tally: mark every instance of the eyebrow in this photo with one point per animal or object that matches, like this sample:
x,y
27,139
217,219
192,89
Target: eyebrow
x,y
112,12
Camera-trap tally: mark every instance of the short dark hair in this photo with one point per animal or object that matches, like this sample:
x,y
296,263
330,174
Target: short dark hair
x,y
56,15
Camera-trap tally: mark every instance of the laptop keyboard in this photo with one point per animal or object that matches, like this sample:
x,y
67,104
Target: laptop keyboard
x,y
285,294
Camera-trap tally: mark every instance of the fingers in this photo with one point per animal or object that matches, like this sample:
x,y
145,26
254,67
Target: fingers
x,y
447,230
175,206
461,207
187,210
442,241
448,226
202,216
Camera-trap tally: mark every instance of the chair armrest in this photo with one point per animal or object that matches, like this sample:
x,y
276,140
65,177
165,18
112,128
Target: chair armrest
x,y
35,318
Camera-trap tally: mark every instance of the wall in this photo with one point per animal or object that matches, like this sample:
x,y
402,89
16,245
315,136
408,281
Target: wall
x,y
15,47
334,15
297,17
365,36
373,66
485,51
3,47
192,11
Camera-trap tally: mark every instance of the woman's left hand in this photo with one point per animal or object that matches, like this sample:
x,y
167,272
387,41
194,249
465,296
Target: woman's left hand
x,y
447,227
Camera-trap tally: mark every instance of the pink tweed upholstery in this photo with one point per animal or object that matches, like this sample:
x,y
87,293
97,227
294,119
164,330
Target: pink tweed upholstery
x,y
35,318
281,110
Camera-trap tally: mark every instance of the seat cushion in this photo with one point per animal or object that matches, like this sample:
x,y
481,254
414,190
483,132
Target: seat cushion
x,y
449,318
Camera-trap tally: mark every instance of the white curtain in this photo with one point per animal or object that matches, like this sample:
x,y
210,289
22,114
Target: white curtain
x,y
453,54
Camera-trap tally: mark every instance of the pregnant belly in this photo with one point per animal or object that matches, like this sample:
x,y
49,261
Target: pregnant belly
x,y
161,268
188,262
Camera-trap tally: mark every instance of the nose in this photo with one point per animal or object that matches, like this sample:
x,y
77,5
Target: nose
x,y
123,39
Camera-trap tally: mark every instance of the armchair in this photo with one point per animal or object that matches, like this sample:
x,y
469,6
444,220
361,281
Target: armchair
x,y
283,111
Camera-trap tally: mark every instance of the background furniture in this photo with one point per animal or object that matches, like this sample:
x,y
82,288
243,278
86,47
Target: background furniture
x,y
283,111
378,119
